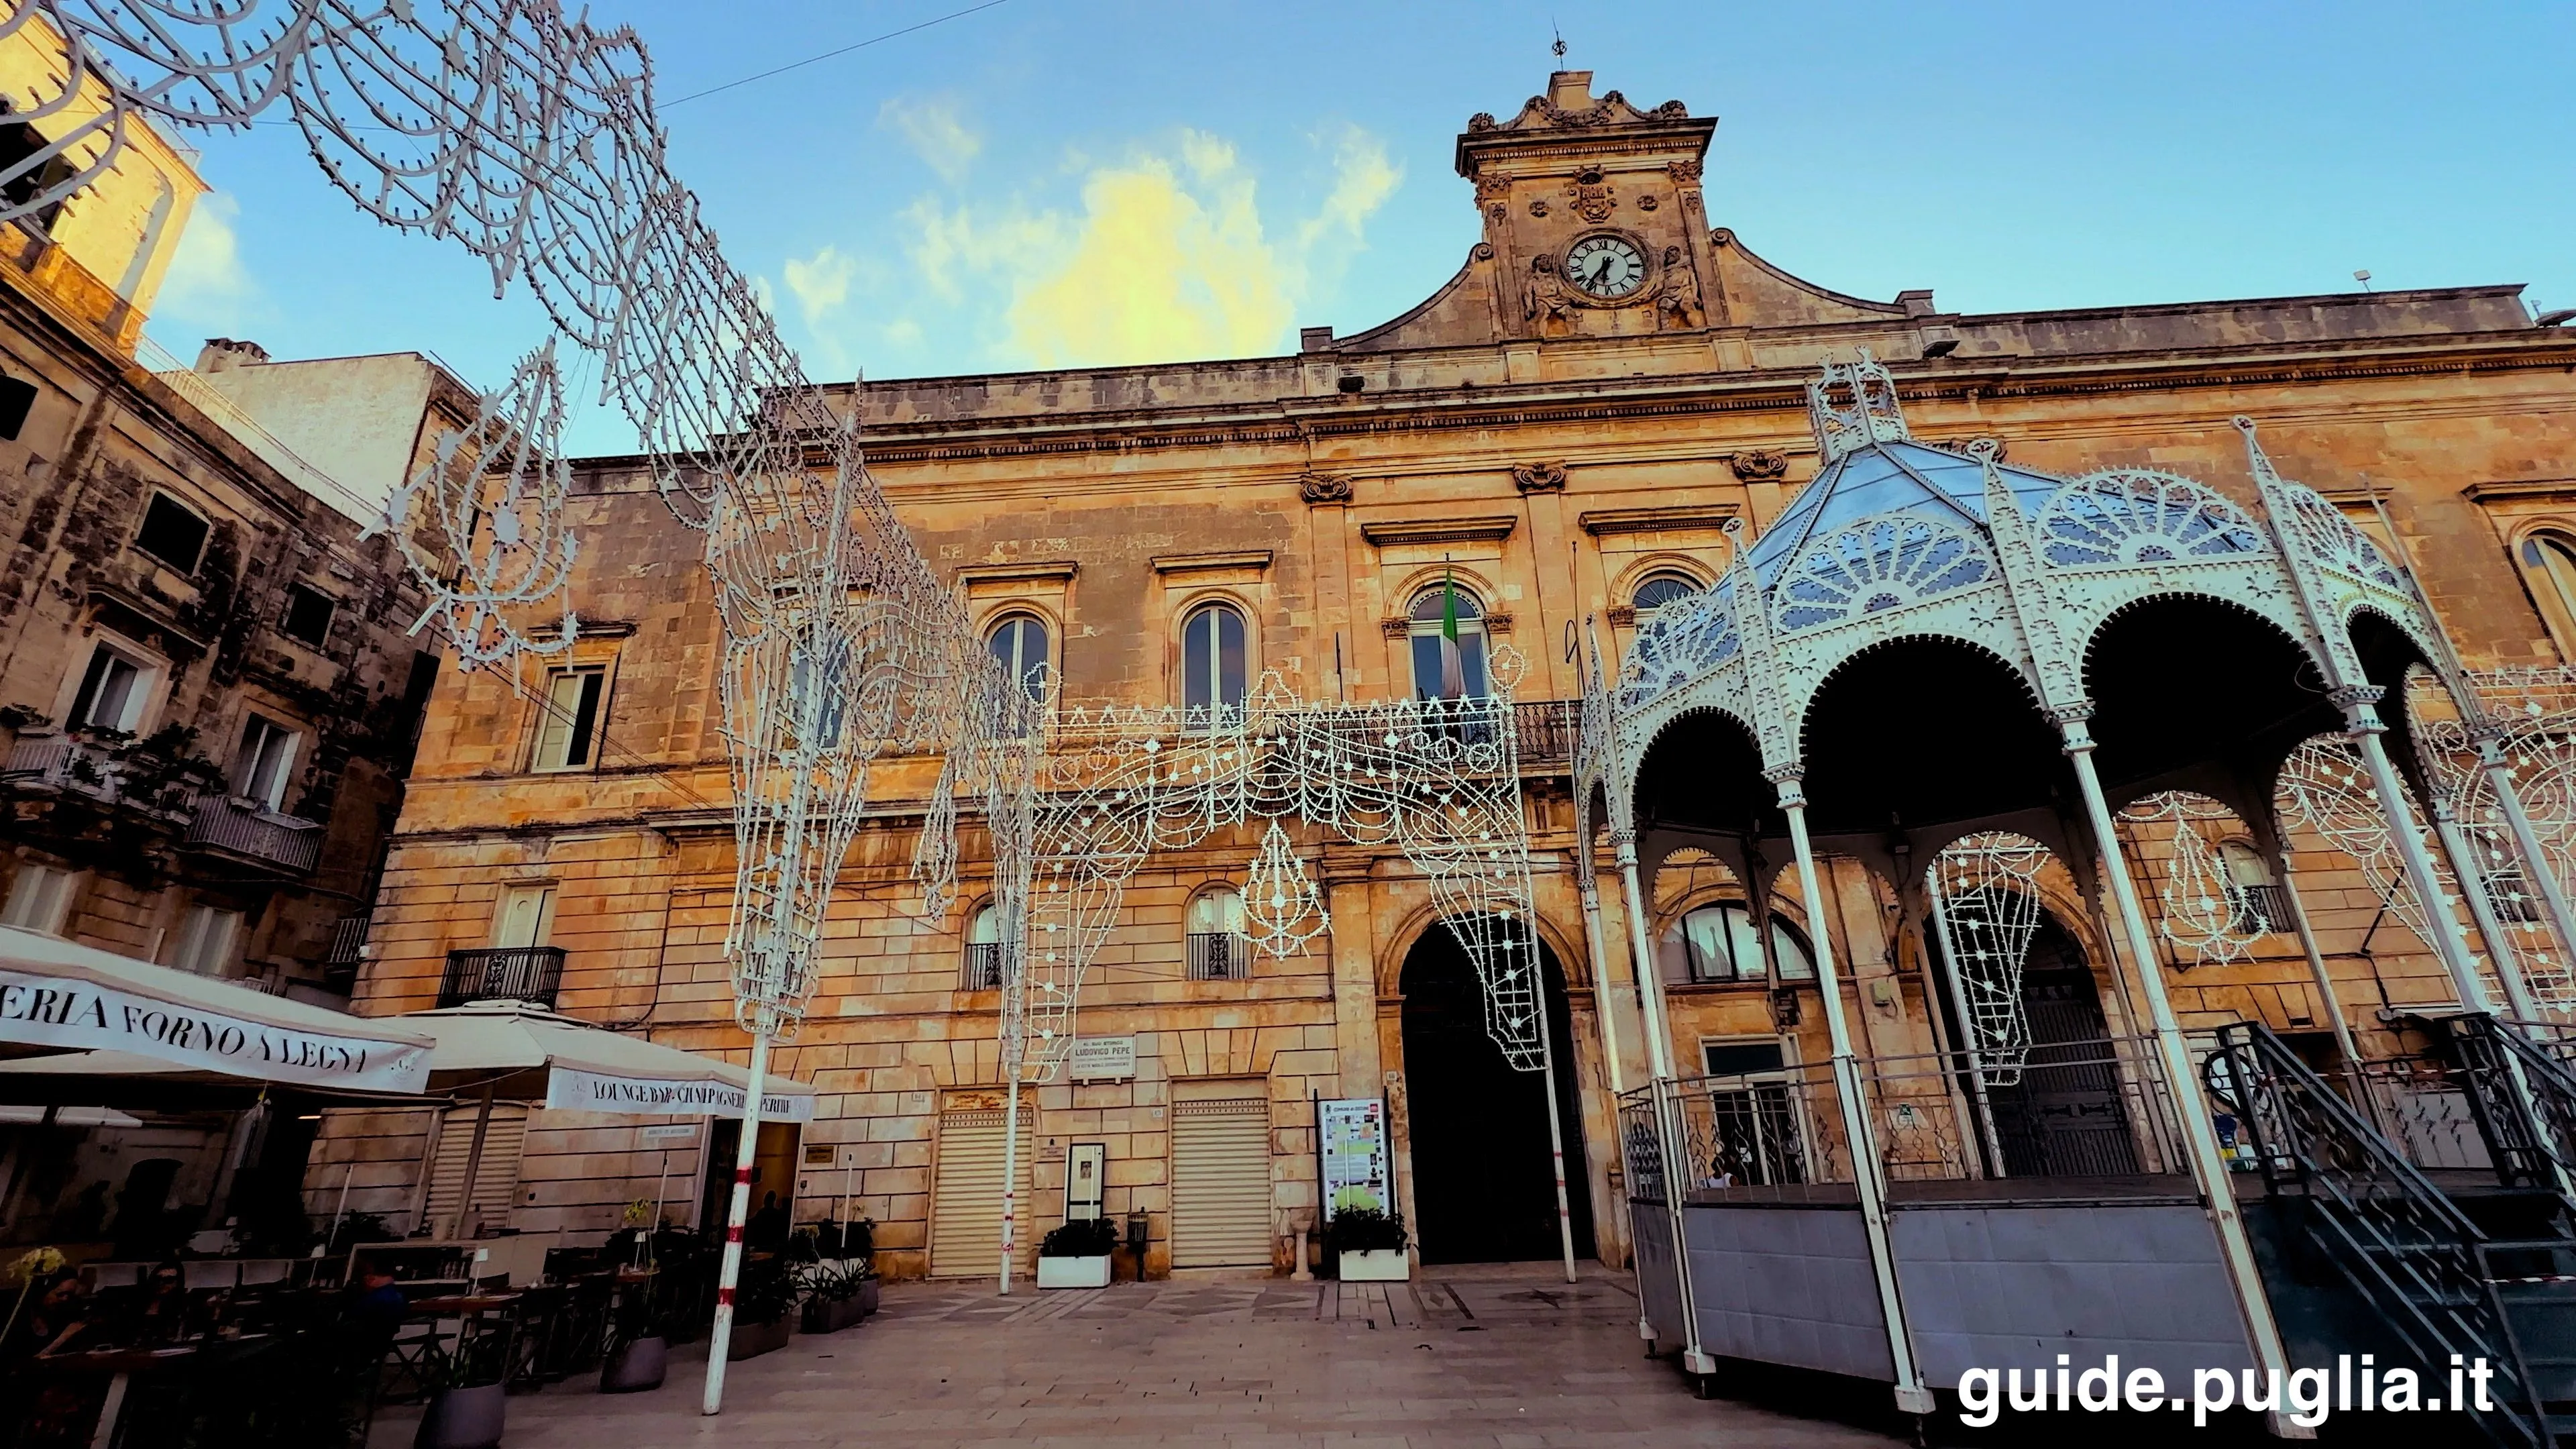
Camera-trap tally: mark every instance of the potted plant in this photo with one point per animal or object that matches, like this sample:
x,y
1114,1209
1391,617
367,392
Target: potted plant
x,y
1367,1245
1076,1255
639,1355
467,1400
836,1295
763,1310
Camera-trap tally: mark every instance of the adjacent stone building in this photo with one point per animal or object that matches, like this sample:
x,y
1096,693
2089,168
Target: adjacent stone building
x,y
1564,434
209,688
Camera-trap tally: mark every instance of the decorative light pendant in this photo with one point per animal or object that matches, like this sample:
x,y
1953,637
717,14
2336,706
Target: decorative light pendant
x,y
1282,908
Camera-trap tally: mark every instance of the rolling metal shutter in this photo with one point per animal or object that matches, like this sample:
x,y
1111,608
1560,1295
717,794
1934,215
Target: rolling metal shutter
x,y
1221,1183
496,1177
966,1208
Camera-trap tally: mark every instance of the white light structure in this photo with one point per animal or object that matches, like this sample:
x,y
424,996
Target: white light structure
x,y
1437,779
2201,911
1282,906
1984,890
531,140
481,525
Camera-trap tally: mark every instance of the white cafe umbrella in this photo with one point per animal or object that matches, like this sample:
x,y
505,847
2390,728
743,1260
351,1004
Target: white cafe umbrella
x,y
58,996
510,1049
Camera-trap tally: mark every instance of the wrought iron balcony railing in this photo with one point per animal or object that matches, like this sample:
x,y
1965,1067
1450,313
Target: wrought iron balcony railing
x,y
1546,728
511,973
288,842
2262,908
52,758
983,966
1219,956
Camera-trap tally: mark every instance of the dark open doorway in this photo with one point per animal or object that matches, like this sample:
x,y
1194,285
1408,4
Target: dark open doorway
x,y
1484,1188
2061,1115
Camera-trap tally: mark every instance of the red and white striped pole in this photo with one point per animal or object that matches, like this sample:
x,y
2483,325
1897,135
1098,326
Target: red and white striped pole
x,y
729,1275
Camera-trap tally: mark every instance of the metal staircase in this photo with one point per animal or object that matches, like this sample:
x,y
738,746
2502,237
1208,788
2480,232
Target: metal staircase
x,y
2435,1279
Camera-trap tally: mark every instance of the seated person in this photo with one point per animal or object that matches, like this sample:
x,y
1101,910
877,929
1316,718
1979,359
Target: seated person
x,y
373,1306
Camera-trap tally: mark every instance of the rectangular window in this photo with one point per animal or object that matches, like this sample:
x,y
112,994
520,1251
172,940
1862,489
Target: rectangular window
x,y
173,533
568,728
308,615
525,918
206,940
265,764
39,899
112,692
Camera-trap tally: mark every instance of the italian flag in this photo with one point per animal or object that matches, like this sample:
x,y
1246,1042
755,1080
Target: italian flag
x,y
1453,664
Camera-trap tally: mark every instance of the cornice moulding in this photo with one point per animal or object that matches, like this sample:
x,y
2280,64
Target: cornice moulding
x,y
1601,521
2520,488
1440,530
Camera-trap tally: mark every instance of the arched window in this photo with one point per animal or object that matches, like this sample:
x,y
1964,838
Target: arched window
x,y
1212,666
1717,942
1659,589
1439,672
2250,889
1217,947
2549,563
984,948
1020,642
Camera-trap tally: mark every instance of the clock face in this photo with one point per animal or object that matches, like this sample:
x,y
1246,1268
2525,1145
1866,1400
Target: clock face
x,y
1605,266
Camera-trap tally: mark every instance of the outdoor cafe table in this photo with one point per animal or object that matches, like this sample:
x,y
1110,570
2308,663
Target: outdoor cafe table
x,y
477,1315
120,1365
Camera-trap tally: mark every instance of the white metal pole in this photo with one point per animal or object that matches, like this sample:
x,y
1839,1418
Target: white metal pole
x,y
1641,957
1967,1023
339,1213
729,1272
1590,890
2540,870
2472,880
1912,1396
473,1166
2365,729
2209,1170
1011,1179
1555,1130
661,1186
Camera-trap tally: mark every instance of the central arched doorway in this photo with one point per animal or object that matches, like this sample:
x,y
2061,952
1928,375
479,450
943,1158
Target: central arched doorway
x,y
2063,1114
1484,1188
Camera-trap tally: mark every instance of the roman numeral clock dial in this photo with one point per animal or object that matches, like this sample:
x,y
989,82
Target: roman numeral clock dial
x,y
1608,267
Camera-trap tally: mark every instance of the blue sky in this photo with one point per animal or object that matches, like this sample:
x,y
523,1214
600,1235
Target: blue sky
x,y
1053,182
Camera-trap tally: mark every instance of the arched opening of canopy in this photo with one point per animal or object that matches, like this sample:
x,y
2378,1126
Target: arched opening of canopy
x,y
1704,772
1484,1184
2184,684
1923,730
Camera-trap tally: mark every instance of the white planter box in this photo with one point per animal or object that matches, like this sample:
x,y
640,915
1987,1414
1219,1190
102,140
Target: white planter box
x,y
1378,1265
1074,1272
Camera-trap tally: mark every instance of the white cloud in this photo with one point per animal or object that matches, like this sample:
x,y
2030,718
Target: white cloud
x,y
820,283
206,283
1168,259
936,133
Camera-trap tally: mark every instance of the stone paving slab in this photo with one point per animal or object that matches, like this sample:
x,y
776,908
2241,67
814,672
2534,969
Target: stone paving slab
x,y
1493,1357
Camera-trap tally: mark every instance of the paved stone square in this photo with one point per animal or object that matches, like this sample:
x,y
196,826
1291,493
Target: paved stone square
x,y
1486,1356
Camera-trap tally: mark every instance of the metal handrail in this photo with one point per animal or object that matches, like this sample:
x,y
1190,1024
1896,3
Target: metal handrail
x,y
2391,1235
1783,1127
